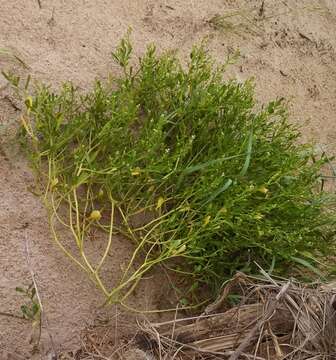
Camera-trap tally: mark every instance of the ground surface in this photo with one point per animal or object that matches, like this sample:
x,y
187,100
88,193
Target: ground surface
x,y
288,46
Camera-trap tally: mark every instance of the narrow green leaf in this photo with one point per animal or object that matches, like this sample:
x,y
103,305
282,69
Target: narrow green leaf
x,y
248,153
308,265
227,184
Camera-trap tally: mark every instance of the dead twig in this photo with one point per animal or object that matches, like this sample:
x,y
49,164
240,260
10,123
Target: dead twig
x,y
262,9
12,102
38,296
305,36
12,315
222,298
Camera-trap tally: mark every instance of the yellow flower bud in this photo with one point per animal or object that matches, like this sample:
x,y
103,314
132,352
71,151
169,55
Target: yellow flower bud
x,y
53,182
160,202
180,250
263,190
135,172
95,215
206,220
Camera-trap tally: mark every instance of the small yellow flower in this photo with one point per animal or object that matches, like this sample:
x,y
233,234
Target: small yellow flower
x,y
53,182
95,215
29,102
180,250
206,220
135,172
263,190
160,202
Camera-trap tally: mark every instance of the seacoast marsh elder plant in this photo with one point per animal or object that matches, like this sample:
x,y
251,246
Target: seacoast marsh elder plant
x,y
184,165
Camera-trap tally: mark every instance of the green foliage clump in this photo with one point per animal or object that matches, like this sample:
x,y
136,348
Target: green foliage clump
x,y
182,163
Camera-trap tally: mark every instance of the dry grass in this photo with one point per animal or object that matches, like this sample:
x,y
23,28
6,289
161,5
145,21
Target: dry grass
x,y
273,320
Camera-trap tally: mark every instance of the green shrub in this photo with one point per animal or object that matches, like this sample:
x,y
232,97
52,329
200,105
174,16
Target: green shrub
x,y
183,164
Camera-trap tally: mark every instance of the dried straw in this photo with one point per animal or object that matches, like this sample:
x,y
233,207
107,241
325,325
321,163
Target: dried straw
x,y
274,320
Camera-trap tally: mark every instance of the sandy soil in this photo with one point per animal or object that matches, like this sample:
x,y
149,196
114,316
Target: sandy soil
x,y
288,46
